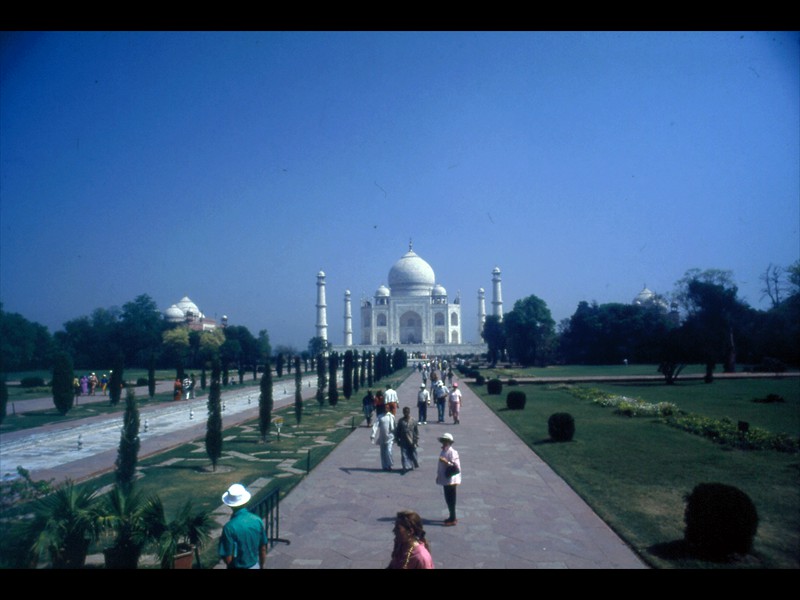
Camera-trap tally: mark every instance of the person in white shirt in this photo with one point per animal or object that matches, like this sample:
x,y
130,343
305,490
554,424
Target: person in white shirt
x,y
455,404
391,399
383,435
423,402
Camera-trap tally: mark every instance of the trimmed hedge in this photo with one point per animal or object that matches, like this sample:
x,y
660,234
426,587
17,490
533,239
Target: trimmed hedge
x,y
494,387
561,427
515,400
721,520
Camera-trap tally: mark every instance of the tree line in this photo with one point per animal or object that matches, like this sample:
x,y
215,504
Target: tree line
x,y
705,322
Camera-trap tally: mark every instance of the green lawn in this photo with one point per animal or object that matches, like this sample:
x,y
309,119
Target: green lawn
x,y
186,472
635,471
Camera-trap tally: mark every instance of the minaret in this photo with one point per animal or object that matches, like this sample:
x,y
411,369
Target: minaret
x,y
497,303
481,312
348,320
322,319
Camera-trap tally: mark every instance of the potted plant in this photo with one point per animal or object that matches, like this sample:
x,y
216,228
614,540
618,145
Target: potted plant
x,y
178,539
65,522
123,516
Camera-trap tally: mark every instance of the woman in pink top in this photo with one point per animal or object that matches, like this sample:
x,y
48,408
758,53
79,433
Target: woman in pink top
x,y
411,549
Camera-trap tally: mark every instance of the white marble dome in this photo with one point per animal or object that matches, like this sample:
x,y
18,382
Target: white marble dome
x,y
438,290
382,291
644,296
187,306
174,314
411,276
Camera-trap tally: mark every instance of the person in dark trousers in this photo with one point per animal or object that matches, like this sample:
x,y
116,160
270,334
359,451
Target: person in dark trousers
x,y
406,433
448,475
423,402
368,404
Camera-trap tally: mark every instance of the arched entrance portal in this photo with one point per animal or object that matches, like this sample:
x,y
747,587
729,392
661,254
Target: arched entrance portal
x,y
410,328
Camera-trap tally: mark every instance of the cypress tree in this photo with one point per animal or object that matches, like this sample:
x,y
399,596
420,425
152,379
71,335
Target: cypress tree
x,y
63,393
333,387
298,390
364,363
151,377
321,383
347,385
265,404
3,399
355,372
214,424
128,451
370,362
279,365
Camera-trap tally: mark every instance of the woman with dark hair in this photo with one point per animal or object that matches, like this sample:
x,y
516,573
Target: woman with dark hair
x,y
411,549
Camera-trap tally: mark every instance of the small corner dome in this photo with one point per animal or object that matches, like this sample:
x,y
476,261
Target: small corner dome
x,y
382,291
438,290
173,313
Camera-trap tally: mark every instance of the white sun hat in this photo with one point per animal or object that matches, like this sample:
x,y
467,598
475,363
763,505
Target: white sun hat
x,y
236,495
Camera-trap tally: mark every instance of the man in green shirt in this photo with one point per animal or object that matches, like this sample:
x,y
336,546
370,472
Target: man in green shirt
x,y
243,544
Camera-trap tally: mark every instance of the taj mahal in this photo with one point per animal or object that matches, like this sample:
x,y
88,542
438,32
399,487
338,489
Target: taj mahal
x,y
413,312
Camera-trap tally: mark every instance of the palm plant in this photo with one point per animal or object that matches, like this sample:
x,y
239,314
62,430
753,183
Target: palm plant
x,y
65,523
187,532
123,517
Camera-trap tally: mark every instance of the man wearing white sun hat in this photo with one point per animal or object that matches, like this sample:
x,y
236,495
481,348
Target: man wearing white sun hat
x,y
243,543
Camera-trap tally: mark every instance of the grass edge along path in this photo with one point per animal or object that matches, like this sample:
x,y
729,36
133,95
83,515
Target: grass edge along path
x,y
635,471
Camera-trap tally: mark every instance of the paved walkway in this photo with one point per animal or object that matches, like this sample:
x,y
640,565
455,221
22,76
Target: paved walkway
x,y
514,512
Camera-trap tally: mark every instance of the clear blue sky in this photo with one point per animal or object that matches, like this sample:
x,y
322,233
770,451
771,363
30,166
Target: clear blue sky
x,y
233,166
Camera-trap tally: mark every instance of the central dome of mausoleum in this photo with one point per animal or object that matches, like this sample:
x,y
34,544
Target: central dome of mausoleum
x,y
411,276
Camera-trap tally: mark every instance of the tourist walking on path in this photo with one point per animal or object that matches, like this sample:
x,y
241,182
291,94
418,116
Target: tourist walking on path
x,y
448,475
380,403
455,404
440,394
406,433
411,549
391,399
243,543
423,402
383,436
177,389
368,405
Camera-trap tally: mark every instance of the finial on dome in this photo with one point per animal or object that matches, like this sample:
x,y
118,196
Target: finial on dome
x,y
410,245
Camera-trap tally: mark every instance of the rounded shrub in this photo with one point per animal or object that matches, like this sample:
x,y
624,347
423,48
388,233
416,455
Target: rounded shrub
x,y
561,427
141,381
30,382
480,379
721,520
515,400
494,386
513,382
